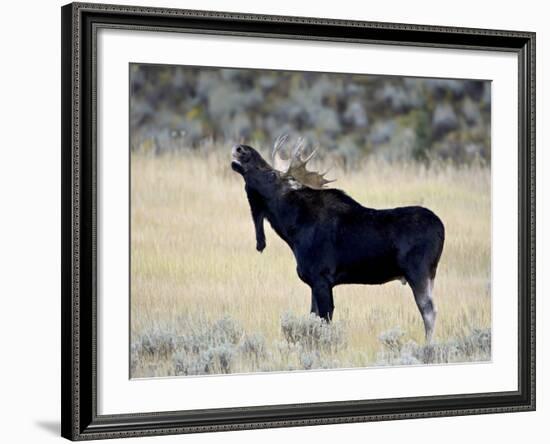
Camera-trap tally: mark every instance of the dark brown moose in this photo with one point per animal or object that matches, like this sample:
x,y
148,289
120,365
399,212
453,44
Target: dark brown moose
x,y
336,240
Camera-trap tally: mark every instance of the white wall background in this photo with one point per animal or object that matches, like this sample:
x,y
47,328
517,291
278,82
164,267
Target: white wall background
x,y
30,220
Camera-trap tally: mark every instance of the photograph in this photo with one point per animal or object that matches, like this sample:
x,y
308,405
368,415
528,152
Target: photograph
x,y
304,221
294,218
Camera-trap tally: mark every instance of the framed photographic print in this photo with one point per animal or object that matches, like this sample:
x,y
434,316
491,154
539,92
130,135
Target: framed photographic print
x,y
281,221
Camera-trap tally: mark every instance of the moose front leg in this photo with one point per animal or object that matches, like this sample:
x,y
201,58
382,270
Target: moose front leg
x,y
323,299
258,215
260,234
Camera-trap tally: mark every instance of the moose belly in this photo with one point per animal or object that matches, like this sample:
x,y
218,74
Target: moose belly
x,y
373,271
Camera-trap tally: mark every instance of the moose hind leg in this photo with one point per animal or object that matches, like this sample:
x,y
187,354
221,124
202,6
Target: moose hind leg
x,y
422,290
314,306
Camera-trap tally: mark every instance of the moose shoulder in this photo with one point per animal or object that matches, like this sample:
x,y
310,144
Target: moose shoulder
x,y
336,240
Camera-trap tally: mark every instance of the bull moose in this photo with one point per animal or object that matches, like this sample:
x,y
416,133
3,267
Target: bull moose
x,y
336,240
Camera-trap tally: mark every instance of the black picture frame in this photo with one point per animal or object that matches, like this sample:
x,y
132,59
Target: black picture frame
x,y
79,171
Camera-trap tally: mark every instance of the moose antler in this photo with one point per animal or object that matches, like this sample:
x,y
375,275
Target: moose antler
x,y
280,161
295,166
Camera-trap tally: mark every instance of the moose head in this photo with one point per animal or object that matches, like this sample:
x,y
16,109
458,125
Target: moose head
x,y
290,170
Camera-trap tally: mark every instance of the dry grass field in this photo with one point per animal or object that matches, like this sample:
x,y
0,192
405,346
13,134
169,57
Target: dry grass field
x,y
203,300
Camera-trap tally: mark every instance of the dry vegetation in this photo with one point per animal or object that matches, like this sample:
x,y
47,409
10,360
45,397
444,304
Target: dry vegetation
x,y
204,301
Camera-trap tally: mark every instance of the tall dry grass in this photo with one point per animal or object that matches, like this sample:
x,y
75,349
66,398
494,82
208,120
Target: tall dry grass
x,y
194,263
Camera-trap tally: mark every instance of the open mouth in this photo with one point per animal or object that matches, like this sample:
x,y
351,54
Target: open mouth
x,y
235,159
235,155
236,165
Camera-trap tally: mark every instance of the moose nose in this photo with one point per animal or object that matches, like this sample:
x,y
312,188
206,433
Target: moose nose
x,y
237,150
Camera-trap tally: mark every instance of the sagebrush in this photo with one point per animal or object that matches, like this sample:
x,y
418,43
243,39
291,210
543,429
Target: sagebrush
x,y
308,343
